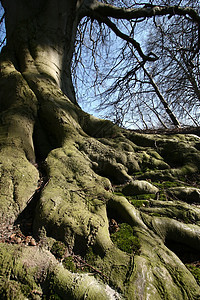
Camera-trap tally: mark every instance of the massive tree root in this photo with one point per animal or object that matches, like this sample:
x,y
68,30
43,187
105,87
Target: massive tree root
x,y
92,175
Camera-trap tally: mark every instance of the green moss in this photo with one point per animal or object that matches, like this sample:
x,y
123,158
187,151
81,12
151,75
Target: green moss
x,y
90,256
58,249
52,289
16,280
162,197
86,263
137,173
125,239
195,272
141,197
69,264
155,214
11,289
163,186
138,200
139,203
166,184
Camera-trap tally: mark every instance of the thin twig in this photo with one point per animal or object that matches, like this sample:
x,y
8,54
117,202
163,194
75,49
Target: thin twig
x,y
94,269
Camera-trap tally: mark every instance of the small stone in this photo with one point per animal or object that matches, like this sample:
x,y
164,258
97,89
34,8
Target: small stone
x,y
18,240
32,242
12,236
27,240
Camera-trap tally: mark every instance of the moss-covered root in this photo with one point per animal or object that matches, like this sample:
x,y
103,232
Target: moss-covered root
x,y
18,176
173,230
159,274
151,271
72,207
79,286
20,271
32,273
125,210
18,182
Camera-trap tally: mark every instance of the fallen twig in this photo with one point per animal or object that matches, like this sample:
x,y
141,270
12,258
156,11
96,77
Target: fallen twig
x,y
88,265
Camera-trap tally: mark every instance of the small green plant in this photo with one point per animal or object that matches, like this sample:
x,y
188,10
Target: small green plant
x,y
58,249
125,239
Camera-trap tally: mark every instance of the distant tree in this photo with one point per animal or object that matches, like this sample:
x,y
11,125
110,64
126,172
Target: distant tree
x,y
177,71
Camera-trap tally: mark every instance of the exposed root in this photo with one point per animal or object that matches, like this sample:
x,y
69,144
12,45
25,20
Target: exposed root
x,y
86,158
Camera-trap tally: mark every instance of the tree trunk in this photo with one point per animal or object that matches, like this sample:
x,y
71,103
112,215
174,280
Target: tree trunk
x,y
42,35
67,176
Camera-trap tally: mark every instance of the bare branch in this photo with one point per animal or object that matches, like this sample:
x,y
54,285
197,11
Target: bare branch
x,y
127,38
147,11
3,41
1,20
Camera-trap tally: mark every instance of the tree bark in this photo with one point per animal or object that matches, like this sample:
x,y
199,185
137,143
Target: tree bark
x,y
42,36
67,173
